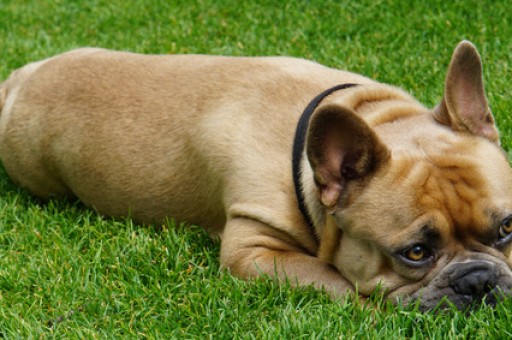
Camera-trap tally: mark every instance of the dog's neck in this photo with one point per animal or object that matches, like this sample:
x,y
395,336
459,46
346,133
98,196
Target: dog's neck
x,y
298,150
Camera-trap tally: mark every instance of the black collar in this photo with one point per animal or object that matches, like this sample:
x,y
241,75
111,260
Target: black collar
x,y
298,148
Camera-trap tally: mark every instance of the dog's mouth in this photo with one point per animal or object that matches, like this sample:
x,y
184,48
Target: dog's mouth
x,y
465,285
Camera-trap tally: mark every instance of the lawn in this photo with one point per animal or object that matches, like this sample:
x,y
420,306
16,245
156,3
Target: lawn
x,y
67,272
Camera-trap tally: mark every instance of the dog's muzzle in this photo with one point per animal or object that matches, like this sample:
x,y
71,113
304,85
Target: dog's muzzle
x,y
466,285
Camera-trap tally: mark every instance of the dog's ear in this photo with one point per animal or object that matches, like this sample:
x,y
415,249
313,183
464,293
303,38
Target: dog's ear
x,y
464,106
341,147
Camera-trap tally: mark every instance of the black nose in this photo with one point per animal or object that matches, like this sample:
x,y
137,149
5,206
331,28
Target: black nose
x,y
465,285
474,280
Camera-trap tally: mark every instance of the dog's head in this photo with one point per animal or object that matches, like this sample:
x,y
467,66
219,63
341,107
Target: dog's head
x,y
422,197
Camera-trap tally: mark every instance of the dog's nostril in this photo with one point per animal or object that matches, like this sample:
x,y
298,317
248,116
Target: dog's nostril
x,y
476,283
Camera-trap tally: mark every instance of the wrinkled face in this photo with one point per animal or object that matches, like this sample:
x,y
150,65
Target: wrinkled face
x,y
432,225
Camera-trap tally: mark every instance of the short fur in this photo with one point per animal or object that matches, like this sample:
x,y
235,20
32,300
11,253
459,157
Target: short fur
x,y
208,140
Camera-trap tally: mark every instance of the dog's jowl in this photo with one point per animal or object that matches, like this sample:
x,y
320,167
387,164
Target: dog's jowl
x,y
317,175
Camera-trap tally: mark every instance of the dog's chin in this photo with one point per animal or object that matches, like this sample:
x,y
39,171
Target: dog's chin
x,y
465,286
442,298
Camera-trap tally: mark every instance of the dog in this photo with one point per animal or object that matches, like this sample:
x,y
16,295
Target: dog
x,y
306,173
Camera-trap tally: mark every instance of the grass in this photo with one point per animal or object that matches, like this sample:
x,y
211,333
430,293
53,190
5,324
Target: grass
x,y
69,273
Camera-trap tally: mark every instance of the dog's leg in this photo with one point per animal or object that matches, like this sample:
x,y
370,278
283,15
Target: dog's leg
x,y
250,248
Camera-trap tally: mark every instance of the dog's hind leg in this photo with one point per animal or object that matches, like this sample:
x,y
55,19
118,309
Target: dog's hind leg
x,y
23,156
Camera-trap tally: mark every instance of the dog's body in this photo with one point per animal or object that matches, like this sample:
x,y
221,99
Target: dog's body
x,y
399,196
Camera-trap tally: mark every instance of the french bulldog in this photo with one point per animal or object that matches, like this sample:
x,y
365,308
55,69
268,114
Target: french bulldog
x,y
306,173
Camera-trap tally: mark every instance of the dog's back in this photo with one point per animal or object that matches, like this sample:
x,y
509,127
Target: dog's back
x,y
153,136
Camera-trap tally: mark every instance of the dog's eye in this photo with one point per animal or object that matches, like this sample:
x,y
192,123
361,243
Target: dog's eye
x,y
416,256
506,228
416,253
505,231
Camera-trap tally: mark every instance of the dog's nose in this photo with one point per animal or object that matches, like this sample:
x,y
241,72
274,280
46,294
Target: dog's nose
x,y
474,280
466,285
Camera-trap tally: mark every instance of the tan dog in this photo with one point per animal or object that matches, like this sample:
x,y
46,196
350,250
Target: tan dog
x,y
391,194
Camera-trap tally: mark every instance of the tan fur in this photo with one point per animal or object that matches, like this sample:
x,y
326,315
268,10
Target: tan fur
x,y
208,140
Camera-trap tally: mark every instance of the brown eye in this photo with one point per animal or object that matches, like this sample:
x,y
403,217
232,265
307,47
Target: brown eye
x,y
505,228
417,256
417,253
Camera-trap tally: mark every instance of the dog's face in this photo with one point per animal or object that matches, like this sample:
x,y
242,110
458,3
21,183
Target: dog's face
x,y
433,226
424,205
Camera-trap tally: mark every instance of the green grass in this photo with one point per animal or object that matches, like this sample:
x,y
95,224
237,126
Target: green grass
x,y
67,272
